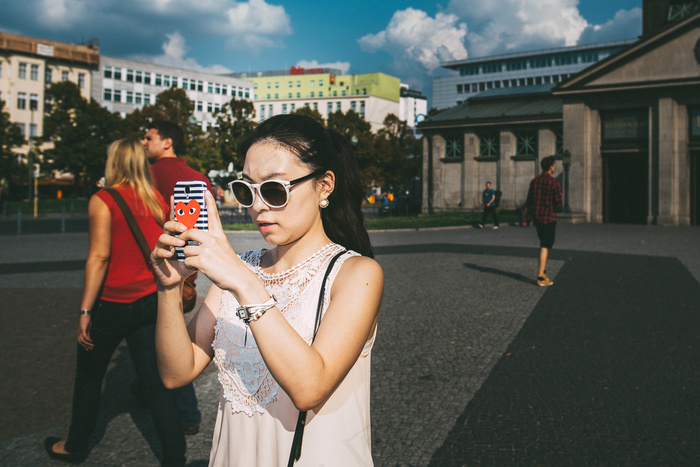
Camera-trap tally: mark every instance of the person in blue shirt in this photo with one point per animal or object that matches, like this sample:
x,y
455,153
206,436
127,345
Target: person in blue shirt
x,y
489,202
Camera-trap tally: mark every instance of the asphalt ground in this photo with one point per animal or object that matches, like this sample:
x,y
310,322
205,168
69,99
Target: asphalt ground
x,y
473,364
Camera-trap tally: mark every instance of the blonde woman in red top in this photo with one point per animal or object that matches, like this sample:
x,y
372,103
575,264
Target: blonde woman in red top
x,y
119,302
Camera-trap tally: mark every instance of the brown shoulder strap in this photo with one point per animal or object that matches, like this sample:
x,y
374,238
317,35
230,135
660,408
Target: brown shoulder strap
x,y
133,225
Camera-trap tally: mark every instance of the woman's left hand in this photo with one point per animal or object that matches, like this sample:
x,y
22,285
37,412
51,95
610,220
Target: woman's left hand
x,y
214,256
83,331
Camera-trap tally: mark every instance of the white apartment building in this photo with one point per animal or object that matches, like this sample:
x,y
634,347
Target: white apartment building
x,y
28,66
475,75
126,85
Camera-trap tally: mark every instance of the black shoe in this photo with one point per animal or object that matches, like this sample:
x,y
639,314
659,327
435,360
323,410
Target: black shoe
x,y
190,430
70,458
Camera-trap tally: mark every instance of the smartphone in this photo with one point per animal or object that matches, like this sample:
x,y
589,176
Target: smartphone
x,y
190,209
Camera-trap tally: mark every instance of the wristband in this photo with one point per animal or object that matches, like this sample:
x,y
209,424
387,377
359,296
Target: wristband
x,y
85,312
248,313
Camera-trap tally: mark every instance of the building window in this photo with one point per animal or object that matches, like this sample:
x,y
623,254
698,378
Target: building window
x,y
290,84
117,95
364,91
217,107
526,144
262,112
298,84
147,78
185,83
138,98
454,147
117,73
469,70
489,145
315,106
312,83
342,93
460,89
22,70
217,88
129,97
166,81
566,59
147,99
320,93
540,62
48,75
362,109
34,72
200,86
107,95
159,80
210,88
494,67
284,109
81,80
289,95
22,129
335,93
210,107
21,100
330,108
32,131
298,94
138,76
130,75
589,57
65,75
337,106
33,102
558,141
312,94
515,65
277,96
293,107
107,72
353,106
200,106
320,82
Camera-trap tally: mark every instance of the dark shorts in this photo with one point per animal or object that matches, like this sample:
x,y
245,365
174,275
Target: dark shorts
x,y
546,234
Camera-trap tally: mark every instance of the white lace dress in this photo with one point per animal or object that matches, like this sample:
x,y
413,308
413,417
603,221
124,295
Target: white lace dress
x,y
256,418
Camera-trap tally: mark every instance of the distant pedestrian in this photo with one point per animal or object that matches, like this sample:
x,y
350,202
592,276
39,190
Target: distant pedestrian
x,y
120,303
543,197
163,142
489,201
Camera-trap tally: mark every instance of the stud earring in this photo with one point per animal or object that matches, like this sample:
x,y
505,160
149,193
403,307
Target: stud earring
x,y
323,204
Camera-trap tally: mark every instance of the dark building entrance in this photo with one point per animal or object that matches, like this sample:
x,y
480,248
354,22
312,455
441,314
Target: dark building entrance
x,y
695,187
625,188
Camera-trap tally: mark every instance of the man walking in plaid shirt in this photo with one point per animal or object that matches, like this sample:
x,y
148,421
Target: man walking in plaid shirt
x,y
543,198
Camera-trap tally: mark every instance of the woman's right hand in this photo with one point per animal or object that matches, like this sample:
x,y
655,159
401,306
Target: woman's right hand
x,y
169,272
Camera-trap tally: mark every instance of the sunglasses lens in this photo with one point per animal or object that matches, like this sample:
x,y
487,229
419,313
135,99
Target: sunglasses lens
x,y
243,193
274,194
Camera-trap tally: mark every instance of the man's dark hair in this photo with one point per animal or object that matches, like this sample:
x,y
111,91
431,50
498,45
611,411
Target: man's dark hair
x,y
170,130
546,163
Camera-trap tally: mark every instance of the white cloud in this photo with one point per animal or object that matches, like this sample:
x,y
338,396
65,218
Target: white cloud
x,y
60,14
174,51
344,67
626,24
511,25
255,25
413,35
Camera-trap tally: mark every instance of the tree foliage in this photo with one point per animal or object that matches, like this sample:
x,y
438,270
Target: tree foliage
x,y
80,132
10,137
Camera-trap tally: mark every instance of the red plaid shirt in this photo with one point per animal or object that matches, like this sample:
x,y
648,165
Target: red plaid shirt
x,y
543,197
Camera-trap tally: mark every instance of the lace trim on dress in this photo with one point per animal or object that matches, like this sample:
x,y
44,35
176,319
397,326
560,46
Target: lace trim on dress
x,y
247,383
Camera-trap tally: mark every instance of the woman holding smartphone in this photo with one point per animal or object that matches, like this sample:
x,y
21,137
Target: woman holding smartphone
x,y
301,187
119,302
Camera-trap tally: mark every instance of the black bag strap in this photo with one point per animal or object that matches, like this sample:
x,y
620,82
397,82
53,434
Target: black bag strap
x,y
133,225
295,454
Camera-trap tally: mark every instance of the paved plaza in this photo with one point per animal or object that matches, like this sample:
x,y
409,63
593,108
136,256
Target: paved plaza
x,y
473,364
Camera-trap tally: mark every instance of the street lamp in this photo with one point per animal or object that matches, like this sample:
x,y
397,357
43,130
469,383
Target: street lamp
x,y
566,161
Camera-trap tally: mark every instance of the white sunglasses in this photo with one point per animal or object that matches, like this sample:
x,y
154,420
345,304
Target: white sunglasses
x,y
274,193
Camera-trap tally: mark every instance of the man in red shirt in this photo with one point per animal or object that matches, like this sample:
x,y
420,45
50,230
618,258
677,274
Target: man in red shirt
x,y
543,197
163,142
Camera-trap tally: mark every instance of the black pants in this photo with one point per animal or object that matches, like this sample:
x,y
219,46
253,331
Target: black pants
x,y
489,210
111,323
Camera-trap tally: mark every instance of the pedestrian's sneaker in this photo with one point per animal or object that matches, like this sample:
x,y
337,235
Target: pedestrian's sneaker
x,y
543,281
495,227
481,226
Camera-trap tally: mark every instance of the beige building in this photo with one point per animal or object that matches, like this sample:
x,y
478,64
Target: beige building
x,y
28,66
626,130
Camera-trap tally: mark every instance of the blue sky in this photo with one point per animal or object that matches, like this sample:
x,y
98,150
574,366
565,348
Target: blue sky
x,y
404,39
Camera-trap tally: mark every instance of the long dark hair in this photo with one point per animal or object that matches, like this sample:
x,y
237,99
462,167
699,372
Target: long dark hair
x,y
323,150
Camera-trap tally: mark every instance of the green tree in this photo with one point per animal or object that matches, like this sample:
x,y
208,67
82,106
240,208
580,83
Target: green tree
x,y
309,112
358,131
80,132
10,137
234,123
400,155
